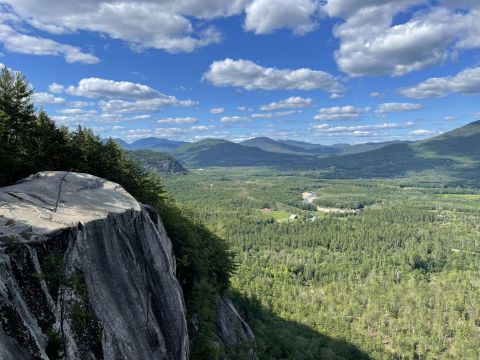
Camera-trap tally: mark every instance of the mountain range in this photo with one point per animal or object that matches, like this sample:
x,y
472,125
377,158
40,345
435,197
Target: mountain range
x,y
456,151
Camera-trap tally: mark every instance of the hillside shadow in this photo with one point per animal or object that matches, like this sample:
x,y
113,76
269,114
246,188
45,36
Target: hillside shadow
x,y
277,338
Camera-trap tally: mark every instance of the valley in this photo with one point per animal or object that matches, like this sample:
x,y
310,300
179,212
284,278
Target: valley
x,y
394,280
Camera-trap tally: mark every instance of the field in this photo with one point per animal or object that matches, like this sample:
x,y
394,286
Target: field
x,y
397,279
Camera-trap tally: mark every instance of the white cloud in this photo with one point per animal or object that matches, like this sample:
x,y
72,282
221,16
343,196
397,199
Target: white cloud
x,y
244,108
202,127
178,120
375,95
79,104
340,113
266,16
234,119
273,115
372,44
150,105
335,96
56,88
17,42
103,88
291,102
117,127
467,82
133,134
124,96
75,111
141,117
250,76
422,132
142,24
75,116
325,128
476,116
397,107
218,110
42,98
450,118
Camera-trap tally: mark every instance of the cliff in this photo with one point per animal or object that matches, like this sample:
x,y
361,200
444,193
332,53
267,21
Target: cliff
x,y
86,272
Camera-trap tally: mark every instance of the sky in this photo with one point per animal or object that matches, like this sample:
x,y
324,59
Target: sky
x,y
334,71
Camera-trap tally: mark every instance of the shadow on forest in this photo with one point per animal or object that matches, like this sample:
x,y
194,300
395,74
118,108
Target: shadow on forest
x,y
277,338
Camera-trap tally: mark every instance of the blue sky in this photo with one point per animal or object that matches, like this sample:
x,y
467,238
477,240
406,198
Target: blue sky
x,y
322,71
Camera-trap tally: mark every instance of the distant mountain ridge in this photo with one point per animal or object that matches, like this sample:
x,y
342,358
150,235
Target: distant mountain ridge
x,y
150,143
456,152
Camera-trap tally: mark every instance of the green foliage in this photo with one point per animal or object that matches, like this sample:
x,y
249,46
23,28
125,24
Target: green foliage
x,y
55,348
204,266
397,279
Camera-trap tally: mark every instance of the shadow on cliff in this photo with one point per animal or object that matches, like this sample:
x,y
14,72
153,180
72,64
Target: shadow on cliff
x,y
277,338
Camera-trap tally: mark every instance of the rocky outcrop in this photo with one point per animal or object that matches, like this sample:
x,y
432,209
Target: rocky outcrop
x,y
87,272
234,334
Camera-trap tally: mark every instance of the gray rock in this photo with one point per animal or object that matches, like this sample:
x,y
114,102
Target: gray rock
x,y
108,283
234,334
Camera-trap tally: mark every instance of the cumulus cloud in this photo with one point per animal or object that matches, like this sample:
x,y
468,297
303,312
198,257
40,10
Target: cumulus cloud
x,y
171,25
56,88
178,120
141,117
397,107
273,115
134,134
325,128
250,76
202,127
371,43
142,24
341,113
149,105
467,82
266,16
124,96
102,88
422,132
17,42
218,110
43,98
234,119
291,102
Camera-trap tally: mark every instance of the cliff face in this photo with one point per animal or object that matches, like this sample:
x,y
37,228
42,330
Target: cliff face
x,y
85,271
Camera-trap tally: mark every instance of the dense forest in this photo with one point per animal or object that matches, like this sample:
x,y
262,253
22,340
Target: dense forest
x,y
396,279
31,142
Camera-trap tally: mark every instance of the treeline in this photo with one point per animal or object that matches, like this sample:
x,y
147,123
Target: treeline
x,y
30,142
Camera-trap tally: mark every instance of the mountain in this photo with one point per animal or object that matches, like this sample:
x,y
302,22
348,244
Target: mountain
x,y
215,152
462,143
155,144
158,161
150,143
289,146
454,154
346,149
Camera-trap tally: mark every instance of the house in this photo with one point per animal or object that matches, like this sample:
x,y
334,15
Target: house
x,y
266,209
293,217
